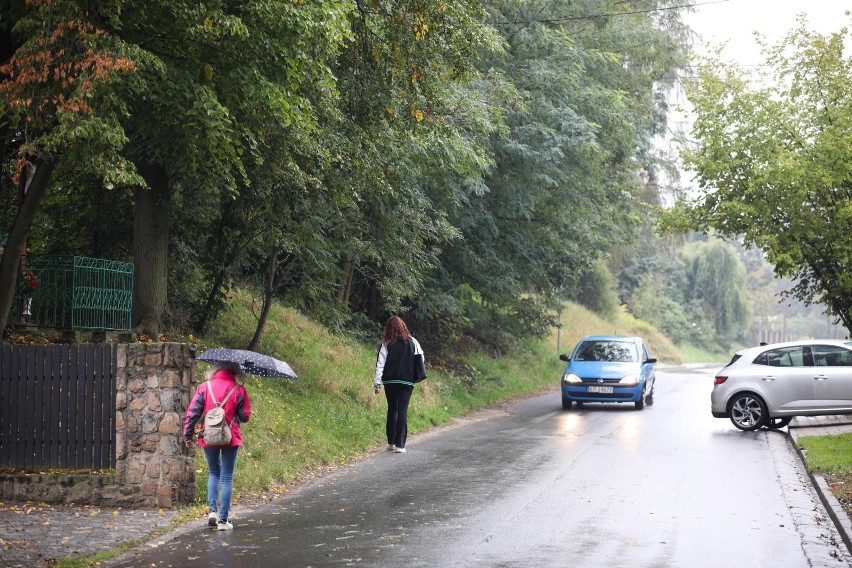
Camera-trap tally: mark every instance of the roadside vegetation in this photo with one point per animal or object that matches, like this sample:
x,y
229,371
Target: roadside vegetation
x,y
831,458
330,417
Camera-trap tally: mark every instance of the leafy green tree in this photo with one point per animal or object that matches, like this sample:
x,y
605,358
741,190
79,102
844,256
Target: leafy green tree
x,y
652,301
716,281
772,161
218,76
580,97
57,91
403,141
209,79
598,291
701,299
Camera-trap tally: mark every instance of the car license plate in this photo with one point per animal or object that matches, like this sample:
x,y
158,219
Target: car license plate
x,y
601,389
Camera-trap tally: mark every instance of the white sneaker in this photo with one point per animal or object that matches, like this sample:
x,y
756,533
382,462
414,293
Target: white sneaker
x,y
212,519
391,447
224,526
398,450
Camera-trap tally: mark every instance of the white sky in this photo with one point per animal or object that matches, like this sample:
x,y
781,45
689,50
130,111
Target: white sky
x,y
736,20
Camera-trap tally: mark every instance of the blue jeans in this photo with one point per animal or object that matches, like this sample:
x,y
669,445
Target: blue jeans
x,y
220,481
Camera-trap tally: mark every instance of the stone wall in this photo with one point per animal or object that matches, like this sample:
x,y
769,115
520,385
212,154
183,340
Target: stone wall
x,y
154,385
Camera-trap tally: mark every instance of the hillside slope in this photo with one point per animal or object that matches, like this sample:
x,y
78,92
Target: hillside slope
x,y
330,416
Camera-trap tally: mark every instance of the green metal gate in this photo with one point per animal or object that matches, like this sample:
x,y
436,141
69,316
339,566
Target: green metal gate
x,y
77,293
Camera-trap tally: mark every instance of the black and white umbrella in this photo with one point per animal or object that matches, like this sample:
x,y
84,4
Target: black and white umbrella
x,y
250,362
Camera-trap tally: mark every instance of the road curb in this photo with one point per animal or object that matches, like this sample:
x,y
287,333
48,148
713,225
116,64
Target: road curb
x,y
832,505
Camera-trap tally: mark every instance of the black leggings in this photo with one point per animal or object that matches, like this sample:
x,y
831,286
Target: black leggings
x,y
397,425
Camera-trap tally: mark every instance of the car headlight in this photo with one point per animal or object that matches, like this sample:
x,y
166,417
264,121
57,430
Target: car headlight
x,y
629,380
571,378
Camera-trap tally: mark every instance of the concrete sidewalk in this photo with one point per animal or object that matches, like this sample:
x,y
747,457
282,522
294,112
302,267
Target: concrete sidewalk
x,y
803,426
36,535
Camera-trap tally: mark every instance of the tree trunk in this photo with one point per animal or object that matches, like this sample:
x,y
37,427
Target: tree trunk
x,y
151,251
207,309
345,288
35,187
374,307
270,286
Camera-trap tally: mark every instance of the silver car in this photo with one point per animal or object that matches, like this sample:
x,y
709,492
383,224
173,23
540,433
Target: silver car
x,y
770,384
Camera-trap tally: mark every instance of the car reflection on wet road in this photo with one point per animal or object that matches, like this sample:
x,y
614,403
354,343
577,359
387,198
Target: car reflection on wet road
x,y
532,484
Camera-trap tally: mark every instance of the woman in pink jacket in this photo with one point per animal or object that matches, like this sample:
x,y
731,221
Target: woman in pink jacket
x,y
221,460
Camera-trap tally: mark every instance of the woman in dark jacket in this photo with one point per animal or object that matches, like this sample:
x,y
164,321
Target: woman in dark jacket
x,y
399,365
221,460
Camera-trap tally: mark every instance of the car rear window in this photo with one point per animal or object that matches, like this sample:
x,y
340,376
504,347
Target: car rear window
x,y
733,359
782,357
616,351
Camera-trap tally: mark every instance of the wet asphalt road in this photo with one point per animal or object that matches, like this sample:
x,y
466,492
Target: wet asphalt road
x,y
533,485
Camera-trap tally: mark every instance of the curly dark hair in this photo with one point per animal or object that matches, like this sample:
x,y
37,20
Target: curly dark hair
x,y
395,330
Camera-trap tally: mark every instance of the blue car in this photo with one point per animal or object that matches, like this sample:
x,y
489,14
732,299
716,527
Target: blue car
x,y
609,368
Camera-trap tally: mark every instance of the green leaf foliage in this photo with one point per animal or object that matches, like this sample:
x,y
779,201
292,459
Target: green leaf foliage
x,y
464,163
772,161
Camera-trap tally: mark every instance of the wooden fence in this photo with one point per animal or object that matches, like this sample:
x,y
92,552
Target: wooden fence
x,y
57,406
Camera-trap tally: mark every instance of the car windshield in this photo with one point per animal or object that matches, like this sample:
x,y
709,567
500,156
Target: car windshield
x,y
616,351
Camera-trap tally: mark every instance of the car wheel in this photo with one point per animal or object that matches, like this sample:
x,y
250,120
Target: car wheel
x,y
649,400
567,403
640,404
776,423
748,412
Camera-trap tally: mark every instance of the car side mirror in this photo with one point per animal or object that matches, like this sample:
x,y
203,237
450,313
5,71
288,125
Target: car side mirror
x,y
564,357
651,360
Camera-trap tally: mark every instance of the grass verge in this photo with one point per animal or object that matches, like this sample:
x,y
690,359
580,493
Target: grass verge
x,y
831,458
330,416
